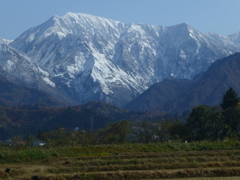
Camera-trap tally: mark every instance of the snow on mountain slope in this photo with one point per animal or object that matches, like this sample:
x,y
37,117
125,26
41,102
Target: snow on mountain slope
x,y
19,66
93,58
5,41
19,69
185,52
235,38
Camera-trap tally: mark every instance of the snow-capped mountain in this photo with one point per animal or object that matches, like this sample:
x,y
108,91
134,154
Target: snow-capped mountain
x,y
93,58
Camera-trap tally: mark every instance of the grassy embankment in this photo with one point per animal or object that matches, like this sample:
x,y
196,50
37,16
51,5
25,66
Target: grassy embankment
x,y
129,161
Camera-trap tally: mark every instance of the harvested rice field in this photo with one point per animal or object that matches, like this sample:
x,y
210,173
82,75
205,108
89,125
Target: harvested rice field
x,y
193,165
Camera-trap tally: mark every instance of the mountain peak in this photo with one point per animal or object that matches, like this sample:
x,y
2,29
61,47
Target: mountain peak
x,y
182,31
183,26
80,16
77,24
94,58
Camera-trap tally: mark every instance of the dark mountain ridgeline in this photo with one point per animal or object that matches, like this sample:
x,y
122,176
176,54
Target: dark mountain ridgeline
x,y
208,90
159,93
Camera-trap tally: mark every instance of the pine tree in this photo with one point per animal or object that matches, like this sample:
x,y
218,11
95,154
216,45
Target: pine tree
x,y
230,99
199,123
231,112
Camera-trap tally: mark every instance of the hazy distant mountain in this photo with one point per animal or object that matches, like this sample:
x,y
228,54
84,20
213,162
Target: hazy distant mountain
x,y
93,58
179,95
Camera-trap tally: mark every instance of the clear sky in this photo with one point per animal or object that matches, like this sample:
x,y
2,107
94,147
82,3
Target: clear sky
x,y
219,16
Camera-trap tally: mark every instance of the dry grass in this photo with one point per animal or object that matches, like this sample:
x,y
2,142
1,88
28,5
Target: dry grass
x,y
205,178
126,166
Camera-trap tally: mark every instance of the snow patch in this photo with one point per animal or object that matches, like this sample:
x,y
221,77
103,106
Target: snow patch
x,y
49,81
182,54
30,37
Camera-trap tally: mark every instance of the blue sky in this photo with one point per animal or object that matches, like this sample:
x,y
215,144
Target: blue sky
x,y
219,16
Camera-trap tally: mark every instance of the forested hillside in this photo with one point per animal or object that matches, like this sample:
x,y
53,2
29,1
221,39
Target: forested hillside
x,y
174,95
28,120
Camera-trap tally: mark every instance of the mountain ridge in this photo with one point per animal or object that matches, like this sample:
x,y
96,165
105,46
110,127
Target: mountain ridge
x,y
209,89
94,58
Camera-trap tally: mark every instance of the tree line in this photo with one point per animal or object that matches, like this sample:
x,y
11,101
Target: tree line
x,y
99,124
216,123
203,123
